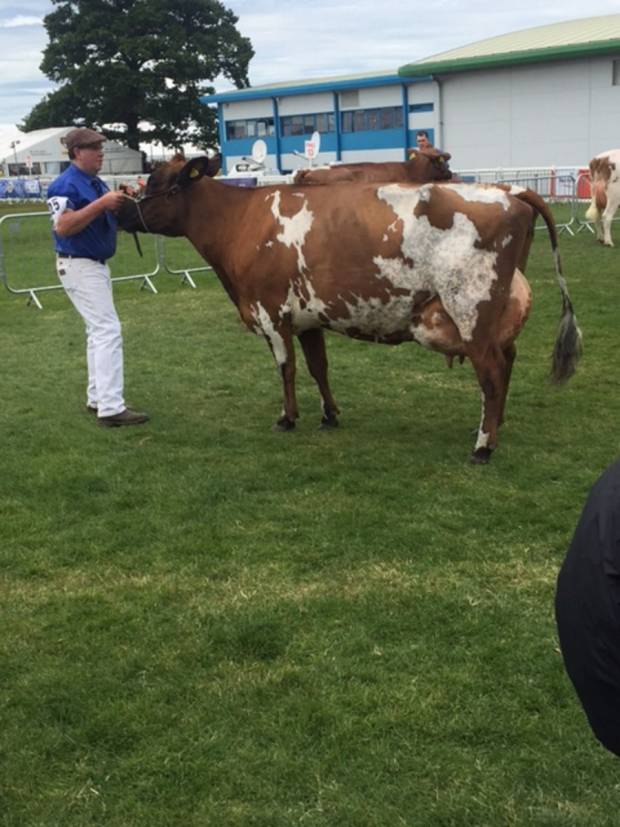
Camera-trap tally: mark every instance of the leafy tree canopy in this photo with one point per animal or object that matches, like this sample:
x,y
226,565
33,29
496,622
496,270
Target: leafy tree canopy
x,y
126,61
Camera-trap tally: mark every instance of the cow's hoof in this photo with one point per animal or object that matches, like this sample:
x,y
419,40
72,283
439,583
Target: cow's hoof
x,y
328,422
283,424
481,456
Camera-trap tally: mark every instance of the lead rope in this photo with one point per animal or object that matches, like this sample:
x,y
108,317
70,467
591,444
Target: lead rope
x,y
138,247
146,229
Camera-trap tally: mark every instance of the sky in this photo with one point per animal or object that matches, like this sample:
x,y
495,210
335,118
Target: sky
x,y
301,39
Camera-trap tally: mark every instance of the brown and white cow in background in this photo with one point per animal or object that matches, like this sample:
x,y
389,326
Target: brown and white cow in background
x,y
363,260
422,167
605,187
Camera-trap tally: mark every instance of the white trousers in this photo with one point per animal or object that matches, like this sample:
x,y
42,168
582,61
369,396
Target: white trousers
x,y
89,287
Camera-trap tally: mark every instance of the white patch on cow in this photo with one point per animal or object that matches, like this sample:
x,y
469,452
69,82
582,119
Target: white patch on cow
x,y
294,229
506,241
375,316
483,437
265,327
515,189
303,305
393,227
483,440
484,195
385,237
424,336
446,262
269,244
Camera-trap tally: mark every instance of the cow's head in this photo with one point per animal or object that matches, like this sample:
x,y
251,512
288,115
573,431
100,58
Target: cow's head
x,y
163,206
429,164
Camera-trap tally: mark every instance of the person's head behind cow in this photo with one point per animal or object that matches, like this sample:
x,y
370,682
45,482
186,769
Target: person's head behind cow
x,y
422,140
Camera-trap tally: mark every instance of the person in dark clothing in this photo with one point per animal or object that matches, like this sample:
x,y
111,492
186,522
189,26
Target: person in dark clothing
x,y
587,608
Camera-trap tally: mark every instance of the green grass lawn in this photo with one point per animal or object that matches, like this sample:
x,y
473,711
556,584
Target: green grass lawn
x,y
206,623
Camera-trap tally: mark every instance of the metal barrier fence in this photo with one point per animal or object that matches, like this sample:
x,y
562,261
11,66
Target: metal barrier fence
x,y
32,292
554,185
183,271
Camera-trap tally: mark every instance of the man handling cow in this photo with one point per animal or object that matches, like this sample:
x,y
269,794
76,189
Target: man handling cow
x,y
84,229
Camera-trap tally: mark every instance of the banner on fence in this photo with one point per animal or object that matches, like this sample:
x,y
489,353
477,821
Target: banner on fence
x,y
20,188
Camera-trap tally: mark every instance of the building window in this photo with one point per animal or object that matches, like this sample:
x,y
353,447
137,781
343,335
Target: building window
x,y
422,107
250,128
371,120
326,122
307,124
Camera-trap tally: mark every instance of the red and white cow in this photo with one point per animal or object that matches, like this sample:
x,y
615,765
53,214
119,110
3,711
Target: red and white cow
x,y
370,261
605,186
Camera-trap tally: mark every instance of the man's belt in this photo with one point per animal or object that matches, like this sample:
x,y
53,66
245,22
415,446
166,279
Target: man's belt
x,y
88,258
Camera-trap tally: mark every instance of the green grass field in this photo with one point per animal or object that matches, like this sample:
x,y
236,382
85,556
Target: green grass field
x,y
206,623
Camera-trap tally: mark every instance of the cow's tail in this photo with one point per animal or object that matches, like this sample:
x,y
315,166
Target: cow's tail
x,y
567,348
599,201
592,213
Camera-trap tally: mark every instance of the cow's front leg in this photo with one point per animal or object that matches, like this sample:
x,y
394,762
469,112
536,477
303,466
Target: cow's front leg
x,y
280,341
276,328
313,345
491,372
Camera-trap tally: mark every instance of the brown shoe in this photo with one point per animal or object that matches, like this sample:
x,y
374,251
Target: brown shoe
x,y
126,417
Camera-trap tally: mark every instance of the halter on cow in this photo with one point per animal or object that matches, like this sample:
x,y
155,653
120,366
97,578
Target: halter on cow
x,y
374,262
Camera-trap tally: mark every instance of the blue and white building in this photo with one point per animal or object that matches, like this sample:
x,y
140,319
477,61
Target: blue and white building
x,y
540,97
372,117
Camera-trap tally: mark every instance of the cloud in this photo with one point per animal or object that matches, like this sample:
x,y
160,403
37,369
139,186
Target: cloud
x,y
21,20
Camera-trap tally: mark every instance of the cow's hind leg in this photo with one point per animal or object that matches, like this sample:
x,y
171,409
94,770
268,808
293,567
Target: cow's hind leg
x,y
510,354
490,369
313,344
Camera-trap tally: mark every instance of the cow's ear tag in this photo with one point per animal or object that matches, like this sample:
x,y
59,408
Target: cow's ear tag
x,y
194,173
412,156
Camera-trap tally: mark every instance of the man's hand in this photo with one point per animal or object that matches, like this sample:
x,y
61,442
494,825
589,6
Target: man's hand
x,y
112,200
74,221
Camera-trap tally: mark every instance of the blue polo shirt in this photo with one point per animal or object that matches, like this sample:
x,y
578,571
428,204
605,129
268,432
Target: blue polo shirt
x,y
73,190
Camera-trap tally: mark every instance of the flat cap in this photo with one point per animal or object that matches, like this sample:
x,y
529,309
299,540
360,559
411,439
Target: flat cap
x,y
82,137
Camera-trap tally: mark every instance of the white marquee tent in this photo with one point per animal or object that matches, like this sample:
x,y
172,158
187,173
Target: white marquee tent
x,y
41,153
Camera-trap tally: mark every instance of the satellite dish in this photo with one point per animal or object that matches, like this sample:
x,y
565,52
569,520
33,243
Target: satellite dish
x,y
259,151
316,140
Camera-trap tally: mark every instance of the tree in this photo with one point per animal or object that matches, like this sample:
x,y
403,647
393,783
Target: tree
x,y
127,61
